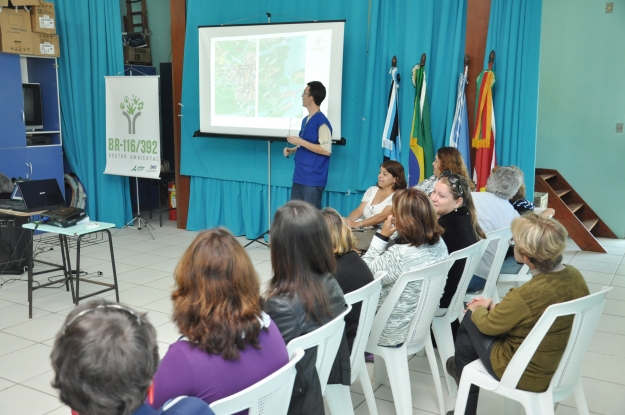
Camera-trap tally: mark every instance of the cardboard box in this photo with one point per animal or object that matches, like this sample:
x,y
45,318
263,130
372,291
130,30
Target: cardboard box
x,y
4,3
42,18
46,45
17,3
15,33
137,55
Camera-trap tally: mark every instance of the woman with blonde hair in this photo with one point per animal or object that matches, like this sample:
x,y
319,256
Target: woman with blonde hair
x,y
494,332
446,159
351,272
229,343
418,245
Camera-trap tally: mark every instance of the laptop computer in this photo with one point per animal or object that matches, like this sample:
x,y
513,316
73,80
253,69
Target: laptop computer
x,y
36,195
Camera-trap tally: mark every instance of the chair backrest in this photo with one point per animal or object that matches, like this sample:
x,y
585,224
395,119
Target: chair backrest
x,y
270,396
369,295
473,255
327,340
587,311
432,279
502,236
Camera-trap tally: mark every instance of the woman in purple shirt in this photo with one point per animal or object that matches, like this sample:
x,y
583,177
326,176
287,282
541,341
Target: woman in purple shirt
x,y
228,342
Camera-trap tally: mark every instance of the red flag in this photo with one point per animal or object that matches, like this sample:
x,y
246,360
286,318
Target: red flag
x,y
484,135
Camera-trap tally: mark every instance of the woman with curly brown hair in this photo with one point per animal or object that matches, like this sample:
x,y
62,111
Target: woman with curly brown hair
x,y
447,159
229,343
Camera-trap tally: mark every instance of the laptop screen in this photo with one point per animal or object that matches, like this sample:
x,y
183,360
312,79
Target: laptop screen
x,y
41,193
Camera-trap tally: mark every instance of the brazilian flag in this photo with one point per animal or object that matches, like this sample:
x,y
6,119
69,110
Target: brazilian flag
x,y
421,154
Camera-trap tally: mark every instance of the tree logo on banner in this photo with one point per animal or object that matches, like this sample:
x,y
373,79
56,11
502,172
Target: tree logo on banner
x,y
131,107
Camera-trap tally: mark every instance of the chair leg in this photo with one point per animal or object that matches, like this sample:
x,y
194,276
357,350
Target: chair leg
x,y
399,376
429,349
580,398
445,343
363,376
463,396
339,400
379,371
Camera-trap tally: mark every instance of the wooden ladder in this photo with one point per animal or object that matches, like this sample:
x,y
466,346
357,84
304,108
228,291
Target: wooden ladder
x,y
578,218
131,24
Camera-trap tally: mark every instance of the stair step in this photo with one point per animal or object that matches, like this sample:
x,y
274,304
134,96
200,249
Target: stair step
x,y
547,176
574,207
590,223
562,192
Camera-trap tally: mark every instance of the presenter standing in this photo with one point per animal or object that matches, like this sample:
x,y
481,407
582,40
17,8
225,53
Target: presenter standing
x,y
313,148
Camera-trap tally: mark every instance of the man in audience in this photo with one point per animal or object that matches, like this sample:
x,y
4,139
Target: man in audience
x,y
314,146
104,359
494,212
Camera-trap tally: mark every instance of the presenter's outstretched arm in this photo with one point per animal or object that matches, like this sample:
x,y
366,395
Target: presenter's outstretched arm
x,y
315,148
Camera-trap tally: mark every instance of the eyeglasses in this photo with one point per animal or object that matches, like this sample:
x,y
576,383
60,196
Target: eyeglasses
x,y
454,180
101,307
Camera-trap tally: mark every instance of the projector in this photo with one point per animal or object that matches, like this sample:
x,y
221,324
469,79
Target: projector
x,y
65,217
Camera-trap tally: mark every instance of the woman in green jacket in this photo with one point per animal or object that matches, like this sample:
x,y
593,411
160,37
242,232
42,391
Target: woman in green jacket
x,y
493,332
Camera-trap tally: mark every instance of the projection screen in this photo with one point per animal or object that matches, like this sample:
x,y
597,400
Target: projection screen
x,y
252,76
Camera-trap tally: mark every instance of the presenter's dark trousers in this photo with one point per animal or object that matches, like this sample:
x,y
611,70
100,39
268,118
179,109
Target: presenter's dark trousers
x,y
472,344
310,194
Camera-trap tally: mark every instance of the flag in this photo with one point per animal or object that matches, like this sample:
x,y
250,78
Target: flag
x,y
421,149
484,136
459,137
391,140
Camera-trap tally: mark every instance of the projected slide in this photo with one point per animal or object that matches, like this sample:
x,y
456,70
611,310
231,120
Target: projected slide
x,y
252,82
248,73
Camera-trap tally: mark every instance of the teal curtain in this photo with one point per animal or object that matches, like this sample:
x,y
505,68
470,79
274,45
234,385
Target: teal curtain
x,y
91,48
230,175
514,35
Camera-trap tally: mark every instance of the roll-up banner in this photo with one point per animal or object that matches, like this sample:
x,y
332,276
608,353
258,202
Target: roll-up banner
x,y
133,145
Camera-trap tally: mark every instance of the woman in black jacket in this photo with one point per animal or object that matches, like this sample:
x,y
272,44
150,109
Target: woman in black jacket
x,y
303,296
456,214
352,273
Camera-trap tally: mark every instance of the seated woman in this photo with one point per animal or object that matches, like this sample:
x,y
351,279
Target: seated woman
x,y
493,333
446,159
352,273
456,215
303,296
229,343
418,245
104,358
376,203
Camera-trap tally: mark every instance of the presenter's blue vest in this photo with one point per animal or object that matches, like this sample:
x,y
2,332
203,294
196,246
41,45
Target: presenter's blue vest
x,y
311,169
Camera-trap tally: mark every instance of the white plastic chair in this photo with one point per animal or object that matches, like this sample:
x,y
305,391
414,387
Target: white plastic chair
x,y
432,280
337,396
327,340
441,325
566,380
270,396
503,237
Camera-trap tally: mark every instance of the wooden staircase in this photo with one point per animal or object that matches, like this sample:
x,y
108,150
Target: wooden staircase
x,y
578,218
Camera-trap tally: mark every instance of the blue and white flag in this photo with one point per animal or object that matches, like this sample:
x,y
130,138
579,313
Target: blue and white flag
x,y
391,140
459,137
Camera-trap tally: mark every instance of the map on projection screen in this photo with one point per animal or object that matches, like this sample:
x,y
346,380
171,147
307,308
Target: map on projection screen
x,y
251,77
260,77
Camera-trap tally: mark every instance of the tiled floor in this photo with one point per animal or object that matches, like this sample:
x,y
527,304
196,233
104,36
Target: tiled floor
x,y
145,271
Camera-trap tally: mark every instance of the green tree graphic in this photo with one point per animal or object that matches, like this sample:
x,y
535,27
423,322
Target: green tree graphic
x,y
131,107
